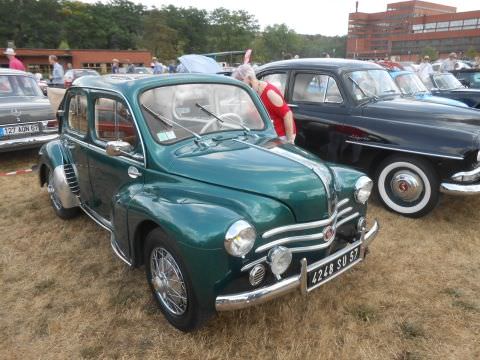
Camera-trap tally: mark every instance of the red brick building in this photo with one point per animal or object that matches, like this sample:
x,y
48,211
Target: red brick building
x,y
36,60
408,27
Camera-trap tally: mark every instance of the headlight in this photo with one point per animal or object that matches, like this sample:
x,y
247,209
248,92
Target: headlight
x,y
240,238
363,189
279,259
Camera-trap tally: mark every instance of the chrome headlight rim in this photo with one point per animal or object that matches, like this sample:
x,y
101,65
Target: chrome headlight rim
x,y
363,189
277,254
240,238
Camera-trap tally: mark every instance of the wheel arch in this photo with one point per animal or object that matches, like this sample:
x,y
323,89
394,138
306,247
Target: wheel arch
x,y
139,238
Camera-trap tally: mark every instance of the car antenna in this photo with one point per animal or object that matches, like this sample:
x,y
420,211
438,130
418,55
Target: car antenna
x,y
169,122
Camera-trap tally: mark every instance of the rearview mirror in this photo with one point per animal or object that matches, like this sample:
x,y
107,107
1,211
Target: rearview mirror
x,y
118,148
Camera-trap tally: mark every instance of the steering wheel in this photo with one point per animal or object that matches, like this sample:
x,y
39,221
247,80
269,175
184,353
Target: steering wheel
x,y
207,125
238,119
225,124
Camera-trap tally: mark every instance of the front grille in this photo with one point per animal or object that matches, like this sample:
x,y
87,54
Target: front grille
x,y
71,179
310,234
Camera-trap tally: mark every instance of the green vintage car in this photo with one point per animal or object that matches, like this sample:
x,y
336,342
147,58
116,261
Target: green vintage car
x,y
186,173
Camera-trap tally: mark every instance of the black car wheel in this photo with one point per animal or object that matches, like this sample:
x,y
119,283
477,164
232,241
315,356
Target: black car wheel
x,y
61,212
407,185
170,283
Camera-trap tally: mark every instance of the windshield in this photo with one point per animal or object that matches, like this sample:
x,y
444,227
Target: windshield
x,y
447,82
183,104
18,85
371,84
410,84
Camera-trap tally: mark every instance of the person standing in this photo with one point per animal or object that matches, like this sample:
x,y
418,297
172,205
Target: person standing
x,y
13,62
115,66
425,68
130,67
272,98
450,63
157,66
56,79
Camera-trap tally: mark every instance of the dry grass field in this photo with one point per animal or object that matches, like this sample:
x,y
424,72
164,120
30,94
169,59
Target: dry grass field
x,y
65,295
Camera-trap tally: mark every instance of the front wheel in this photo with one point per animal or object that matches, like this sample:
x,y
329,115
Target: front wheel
x,y
407,185
170,283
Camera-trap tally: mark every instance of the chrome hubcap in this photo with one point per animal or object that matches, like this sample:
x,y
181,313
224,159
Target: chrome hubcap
x,y
406,185
167,281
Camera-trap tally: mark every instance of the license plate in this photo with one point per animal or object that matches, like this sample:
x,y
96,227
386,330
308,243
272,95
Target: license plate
x,y
19,129
326,271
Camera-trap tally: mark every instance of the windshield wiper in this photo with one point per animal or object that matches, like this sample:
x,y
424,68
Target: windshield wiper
x,y
170,123
370,96
208,112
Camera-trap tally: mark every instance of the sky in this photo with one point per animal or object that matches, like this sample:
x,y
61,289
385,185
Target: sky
x,y
325,17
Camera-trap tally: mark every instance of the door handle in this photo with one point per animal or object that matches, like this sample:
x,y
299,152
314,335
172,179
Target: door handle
x,y
133,172
71,145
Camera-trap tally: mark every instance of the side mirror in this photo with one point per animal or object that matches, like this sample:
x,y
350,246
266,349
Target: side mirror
x,y
118,148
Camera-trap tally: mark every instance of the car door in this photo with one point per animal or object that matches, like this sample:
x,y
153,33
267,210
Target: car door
x,y
76,140
319,107
113,177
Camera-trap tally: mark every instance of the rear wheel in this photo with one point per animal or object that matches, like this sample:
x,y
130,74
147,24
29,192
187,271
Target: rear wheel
x,y
170,283
61,212
407,185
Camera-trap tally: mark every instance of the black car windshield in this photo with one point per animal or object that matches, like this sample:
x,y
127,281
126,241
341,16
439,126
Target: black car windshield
x,y
18,85
410,84
371,84
182,104
447,82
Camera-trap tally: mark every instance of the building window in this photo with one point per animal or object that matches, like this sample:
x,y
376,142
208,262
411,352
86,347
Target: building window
x,y
417,28
430,27
469,24
456,25
443,26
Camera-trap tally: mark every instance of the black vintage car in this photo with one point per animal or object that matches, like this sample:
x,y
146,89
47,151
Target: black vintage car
x,y
352,112
468,77
448,86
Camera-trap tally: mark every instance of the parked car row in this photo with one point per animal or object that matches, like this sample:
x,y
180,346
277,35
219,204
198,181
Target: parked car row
x,y
187,175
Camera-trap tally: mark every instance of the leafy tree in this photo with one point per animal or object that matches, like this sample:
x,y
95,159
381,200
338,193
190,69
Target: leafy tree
x,y
471,53
158,37
431,52
278,41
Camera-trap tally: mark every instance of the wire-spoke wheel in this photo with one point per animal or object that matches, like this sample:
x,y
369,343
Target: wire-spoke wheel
x,y
167,280
170,282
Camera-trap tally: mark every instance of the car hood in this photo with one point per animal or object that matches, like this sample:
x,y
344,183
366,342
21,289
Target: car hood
x,y
268,168
27,109
422,112
440,100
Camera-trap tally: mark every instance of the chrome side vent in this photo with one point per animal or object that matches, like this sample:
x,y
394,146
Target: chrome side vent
x,y
71,179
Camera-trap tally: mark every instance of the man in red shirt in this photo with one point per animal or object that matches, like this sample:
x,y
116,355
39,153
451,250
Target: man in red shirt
x,y
14,63
272,98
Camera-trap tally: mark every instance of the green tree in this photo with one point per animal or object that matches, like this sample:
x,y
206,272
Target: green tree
x,y
278,41
158,37
431,52
471,53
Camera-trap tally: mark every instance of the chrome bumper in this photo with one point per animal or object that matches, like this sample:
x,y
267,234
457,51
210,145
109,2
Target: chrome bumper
x,y
13,144
460,189
267,293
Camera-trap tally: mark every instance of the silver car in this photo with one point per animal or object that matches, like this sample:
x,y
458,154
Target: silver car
x,y
27,119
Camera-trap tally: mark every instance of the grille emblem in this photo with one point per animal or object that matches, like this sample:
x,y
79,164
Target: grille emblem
x,y
328,234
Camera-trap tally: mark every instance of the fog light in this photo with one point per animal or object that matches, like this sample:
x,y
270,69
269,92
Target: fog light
x,y
256,274
279,259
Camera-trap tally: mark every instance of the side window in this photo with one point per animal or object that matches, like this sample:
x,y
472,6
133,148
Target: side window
x,y
316,88
114,122
278,80
77,114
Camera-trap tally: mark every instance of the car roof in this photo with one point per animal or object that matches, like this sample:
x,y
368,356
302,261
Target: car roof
x,y
7,71
127,83
334,64
396,73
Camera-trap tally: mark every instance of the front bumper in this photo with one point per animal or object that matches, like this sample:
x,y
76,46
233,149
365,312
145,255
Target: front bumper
x,y
21,143
267,293
460,189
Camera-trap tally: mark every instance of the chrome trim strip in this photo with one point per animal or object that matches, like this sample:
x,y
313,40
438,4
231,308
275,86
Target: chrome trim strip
x,y
304,226
253,263
347,219
344,211
117,251
282,287
290,239
104,223
460,189
27,141
144,163
362,143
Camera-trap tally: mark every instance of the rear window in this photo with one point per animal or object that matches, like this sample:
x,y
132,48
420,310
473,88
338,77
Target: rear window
x,y
18,85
